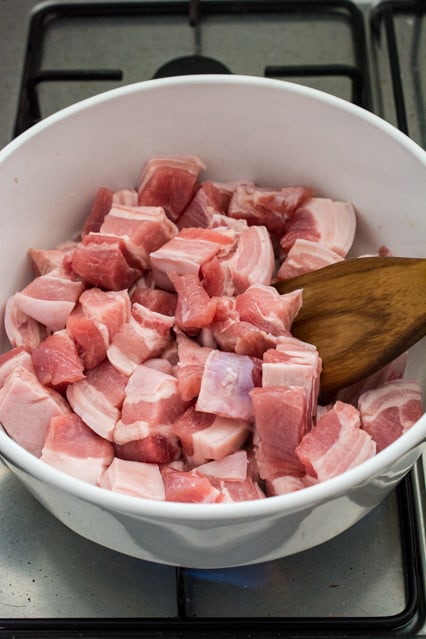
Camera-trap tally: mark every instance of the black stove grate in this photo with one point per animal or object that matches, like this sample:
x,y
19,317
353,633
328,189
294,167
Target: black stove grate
x,y
29,112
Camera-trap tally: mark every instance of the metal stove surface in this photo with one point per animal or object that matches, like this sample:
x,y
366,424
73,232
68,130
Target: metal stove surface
x,y
368,581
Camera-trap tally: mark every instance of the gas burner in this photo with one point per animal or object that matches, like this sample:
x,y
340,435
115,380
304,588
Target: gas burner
x,y
190,65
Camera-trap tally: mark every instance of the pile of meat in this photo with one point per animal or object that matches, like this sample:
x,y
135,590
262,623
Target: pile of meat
x,y
153,356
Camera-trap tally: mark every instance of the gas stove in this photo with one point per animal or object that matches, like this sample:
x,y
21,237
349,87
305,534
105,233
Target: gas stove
x,y
370,580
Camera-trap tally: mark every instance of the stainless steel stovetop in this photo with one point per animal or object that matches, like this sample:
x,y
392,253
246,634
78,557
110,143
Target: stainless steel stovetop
x,y
370,580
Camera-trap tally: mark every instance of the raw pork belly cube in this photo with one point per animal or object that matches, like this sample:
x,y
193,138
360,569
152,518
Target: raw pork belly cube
x,y
390,410
207,201
189,487
46,260
191,359
21,329
195,309
169,181
26,408
100,207
49,299
306,256
143,229
93,407
322,220
266,309
71,446
337,443
10,360
266,206
226,383
253,261
133,478
56,361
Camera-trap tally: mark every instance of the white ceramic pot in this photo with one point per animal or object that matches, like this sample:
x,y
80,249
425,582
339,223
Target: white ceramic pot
x,y
275,133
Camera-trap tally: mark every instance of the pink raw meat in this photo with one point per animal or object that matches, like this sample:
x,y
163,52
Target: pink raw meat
x,y
305,256
56,361
190,366
170,182
227,381
111,308
207,201
143,229
126,197
266,206
189,487
337,443
329,222
90,337
390,410
46,260
21,329
100,207
155,299
253,261
73,448
94,408
49,299
26,408
232,467
18,356
133,478
109,381
195,309
266,309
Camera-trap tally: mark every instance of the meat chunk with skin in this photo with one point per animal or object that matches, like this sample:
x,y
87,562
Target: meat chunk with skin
x,y
254,260
99,209
195,309
266,206
49,299
191,359
56,361
94,408
72,447
133,478
390,410
21,329
156,300
169,181
306,256
188,487
336,443
26,408
18,356
328,222
207,201
100,260
227,381
143,229
266,309
46,260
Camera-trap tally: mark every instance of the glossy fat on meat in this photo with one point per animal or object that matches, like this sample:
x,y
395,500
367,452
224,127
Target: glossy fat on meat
x,y
100,207
45,261
94,408
234,491
280,418
207,201
336,443
147,334
100,261
328,222
187,252
133,478
169,181
266,206
253,261
195,309
111,308
232,467
22,330
147,442
156,300
109,381
127,197
223,437
90,336
390,410
305,256
266,309
49,299
143,229
26,408
226,383
283,485
72,447
189,487
56,361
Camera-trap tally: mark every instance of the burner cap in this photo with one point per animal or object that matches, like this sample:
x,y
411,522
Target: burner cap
x,y
191,65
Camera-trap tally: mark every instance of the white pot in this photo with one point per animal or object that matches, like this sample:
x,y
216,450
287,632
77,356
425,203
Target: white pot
x,y
272,132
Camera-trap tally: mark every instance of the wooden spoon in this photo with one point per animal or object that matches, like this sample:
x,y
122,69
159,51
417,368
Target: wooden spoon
x,y
361,314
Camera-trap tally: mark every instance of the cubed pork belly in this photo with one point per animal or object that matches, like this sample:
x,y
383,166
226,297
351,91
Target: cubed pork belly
x,y
21,329
90,337
133,478
226,383
109,381
336,443
187,252
17,356
127,197
143,229
169,181
390,410
281,421
189,487
195,309
26,408
46,260
72,447
56,361
142,441
305,256
329,222
207,201
49,299
190,366
156,300
266,309
253,261
233,491
111,308
94,408
100,260
100,207
232,467
266,206
146,334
